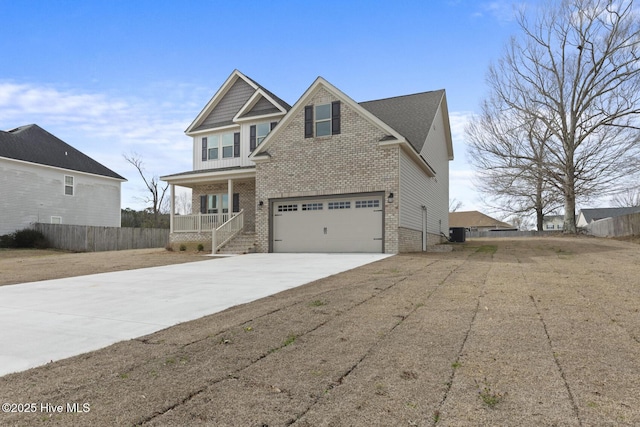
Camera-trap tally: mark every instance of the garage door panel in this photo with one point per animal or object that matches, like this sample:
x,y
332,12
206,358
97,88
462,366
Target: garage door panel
x,y
339,224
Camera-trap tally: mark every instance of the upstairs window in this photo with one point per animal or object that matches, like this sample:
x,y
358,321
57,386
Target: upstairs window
x,y
257,133
262,130
68,185
322,120
227,144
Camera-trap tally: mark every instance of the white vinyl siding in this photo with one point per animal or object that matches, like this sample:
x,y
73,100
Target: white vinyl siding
x,y
417,189
223,161
35,193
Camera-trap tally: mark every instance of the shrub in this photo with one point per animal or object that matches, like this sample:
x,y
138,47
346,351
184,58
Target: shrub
x,y
200,247
26,238
183,248
6,241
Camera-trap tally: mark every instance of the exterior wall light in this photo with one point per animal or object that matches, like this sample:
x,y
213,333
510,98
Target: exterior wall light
x,y
390,198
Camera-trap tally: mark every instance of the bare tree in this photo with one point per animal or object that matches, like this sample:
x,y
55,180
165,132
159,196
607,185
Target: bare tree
x,y
576,71
183,203
507,150
628,198
156,191
454,205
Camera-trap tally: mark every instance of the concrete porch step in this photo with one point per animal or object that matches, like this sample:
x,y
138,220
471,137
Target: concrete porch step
x,y
243,243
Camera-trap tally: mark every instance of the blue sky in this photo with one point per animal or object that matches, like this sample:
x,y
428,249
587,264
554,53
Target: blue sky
x,y
114,77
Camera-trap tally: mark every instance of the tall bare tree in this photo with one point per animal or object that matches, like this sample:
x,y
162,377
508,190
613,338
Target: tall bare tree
x,y
507,150
576,70
156,194
627,198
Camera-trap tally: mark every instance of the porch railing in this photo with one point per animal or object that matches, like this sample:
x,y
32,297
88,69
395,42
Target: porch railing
x,y
227,231
198,222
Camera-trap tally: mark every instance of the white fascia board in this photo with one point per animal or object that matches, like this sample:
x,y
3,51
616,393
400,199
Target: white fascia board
x,y
209,176
259,118
222,91
447,125
214,130
259,93
264,157
65,170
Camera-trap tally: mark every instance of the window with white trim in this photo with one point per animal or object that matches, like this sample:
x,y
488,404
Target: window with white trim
x,y
217,203
56,220
323,120
68,185
262,130
219,144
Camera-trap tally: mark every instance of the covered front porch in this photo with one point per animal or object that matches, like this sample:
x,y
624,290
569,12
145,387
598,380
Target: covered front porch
x,y
221,200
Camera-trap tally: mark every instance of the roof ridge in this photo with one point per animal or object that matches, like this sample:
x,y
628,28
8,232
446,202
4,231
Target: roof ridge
x,y
403,96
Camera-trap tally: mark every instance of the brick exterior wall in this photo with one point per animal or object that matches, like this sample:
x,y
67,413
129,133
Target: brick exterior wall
x,y
351,162
411,240
190,241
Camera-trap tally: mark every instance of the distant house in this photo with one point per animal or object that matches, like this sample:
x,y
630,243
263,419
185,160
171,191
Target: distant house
x,y
43,179
327,174
586,216
553,223
476,221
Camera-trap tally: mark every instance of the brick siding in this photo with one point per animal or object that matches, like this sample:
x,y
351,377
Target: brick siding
x,y
351,162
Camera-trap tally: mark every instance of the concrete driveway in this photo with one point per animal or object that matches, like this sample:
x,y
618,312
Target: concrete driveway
x,y
45,321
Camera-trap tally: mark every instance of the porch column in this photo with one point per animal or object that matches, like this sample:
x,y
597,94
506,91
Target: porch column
x,y
230,197
173,206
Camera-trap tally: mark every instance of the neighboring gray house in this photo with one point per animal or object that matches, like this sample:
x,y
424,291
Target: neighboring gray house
x,y
553,223
43,179
325,175
586,216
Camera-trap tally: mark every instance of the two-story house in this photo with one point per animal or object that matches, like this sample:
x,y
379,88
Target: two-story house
x,y
44,179
327,174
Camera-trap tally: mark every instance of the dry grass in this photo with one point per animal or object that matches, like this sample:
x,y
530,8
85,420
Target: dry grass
x,y
537,332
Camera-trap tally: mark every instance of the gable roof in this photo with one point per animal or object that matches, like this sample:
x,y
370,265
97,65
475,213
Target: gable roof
x,y
411,115
399,117
33,144
600,213
475,219
238,98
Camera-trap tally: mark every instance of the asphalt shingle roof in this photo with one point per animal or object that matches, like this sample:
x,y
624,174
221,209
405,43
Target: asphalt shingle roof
x,y
33,144
475,219
410,115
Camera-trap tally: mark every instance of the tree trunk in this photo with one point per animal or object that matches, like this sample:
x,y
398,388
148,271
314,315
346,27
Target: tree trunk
x,y
569,204
540,218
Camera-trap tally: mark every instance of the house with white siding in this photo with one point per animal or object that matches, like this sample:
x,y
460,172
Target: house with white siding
x,y
327,174
43,179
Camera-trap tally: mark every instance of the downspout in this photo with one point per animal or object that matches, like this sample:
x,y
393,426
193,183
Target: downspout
x,y
424,228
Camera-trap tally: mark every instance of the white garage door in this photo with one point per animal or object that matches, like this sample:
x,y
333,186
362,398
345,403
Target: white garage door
x,y
338,224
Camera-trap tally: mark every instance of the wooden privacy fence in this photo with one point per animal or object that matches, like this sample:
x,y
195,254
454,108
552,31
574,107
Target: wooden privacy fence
x,y
625,225
86,238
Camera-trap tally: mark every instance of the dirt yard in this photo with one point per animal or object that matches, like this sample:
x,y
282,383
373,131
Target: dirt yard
x,y
509,332
32,265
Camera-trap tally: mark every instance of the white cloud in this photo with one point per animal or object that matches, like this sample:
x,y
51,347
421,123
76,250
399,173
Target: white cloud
x,y
503,11
104,126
